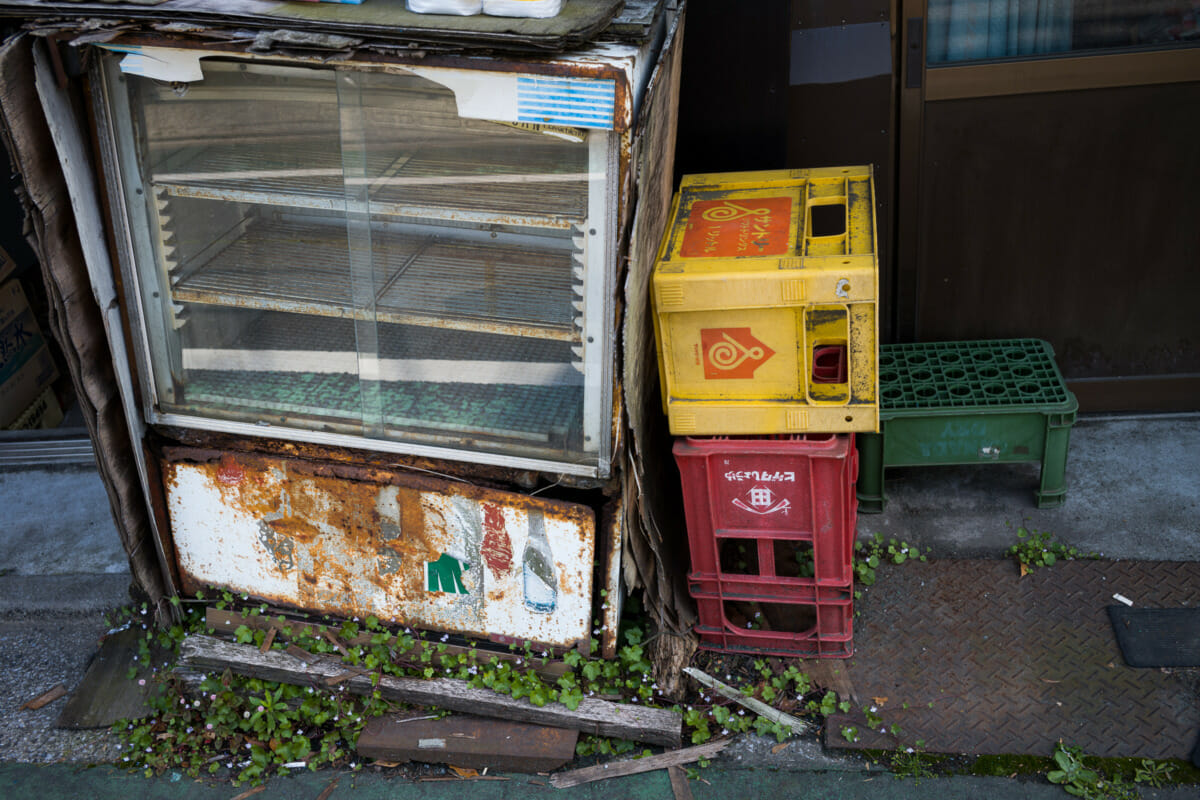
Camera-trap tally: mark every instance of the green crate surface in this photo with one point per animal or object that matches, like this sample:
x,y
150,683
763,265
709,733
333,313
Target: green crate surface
x,y
993,374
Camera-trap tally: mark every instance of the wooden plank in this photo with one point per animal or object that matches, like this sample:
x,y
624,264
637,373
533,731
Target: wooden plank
x,y
796,725
468,741
44,699
618,769
638,723
106,694
224,623
679,783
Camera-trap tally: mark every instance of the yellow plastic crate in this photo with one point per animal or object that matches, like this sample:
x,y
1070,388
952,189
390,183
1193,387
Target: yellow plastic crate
x,y
765,297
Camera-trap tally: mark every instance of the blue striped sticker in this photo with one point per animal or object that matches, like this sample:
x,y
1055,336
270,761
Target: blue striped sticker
x,y
581,102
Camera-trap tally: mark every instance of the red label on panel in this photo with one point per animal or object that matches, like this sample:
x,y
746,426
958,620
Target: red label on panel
x,y
496,548
741,227
732,352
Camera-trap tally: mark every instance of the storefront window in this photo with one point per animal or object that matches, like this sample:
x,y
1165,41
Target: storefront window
x,y
985,30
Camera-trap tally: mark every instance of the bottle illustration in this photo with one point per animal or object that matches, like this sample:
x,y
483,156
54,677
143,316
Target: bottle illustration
x,y
537,565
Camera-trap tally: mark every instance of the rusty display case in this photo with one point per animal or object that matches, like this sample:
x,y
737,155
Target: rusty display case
x,y
371,310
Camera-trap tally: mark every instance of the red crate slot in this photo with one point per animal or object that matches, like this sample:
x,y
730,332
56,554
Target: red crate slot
x,y
774,514
829,364
817,623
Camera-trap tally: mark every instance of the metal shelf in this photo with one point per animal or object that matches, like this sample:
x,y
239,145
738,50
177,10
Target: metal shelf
x,y
426,280
541,186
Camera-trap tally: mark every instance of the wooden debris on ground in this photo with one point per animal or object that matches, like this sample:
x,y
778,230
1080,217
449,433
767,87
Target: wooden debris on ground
x,y
226,622
757,706
638,723
670,653
106,694
617,769
832,674
679,783
44,699
466,741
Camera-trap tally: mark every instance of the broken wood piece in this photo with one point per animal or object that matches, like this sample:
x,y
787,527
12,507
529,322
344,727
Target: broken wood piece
x,y
328,790
250,792
679,783
341,676
106,693
268,640
44,699
224,623
336,642
757,706
301,653
465,741
617,769
638,723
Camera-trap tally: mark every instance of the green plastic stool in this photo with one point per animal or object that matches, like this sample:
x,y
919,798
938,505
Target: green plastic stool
x,y
1000,400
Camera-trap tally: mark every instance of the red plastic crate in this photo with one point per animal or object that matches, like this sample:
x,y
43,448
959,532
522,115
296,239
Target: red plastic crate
x,y
770,515
816,622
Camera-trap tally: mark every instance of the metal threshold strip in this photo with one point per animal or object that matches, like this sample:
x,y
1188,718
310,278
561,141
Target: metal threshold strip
x,y
24,450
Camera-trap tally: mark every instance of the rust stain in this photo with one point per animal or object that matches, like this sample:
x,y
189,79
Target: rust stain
x,y
497,549
230,472
357,540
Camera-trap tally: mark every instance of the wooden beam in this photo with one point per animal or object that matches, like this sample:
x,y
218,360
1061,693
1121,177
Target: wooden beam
x,y
618,769
224,623
467,741
600,717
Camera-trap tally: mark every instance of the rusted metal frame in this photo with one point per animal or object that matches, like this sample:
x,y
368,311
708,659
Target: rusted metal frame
x,y
479,474
366,61
355,515
156,500
370,474
611,536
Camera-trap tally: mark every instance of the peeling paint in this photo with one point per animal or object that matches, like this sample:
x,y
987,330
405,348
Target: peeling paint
x,y
412,550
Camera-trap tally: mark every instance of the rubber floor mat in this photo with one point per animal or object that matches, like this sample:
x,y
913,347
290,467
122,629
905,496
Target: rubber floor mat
x,y
1157,637
972,658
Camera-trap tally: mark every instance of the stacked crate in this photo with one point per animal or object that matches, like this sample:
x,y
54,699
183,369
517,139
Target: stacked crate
x,y
765,294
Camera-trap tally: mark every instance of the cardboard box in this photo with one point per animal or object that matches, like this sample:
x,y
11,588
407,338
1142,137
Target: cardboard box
x,y
7,265
26,366
44,412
